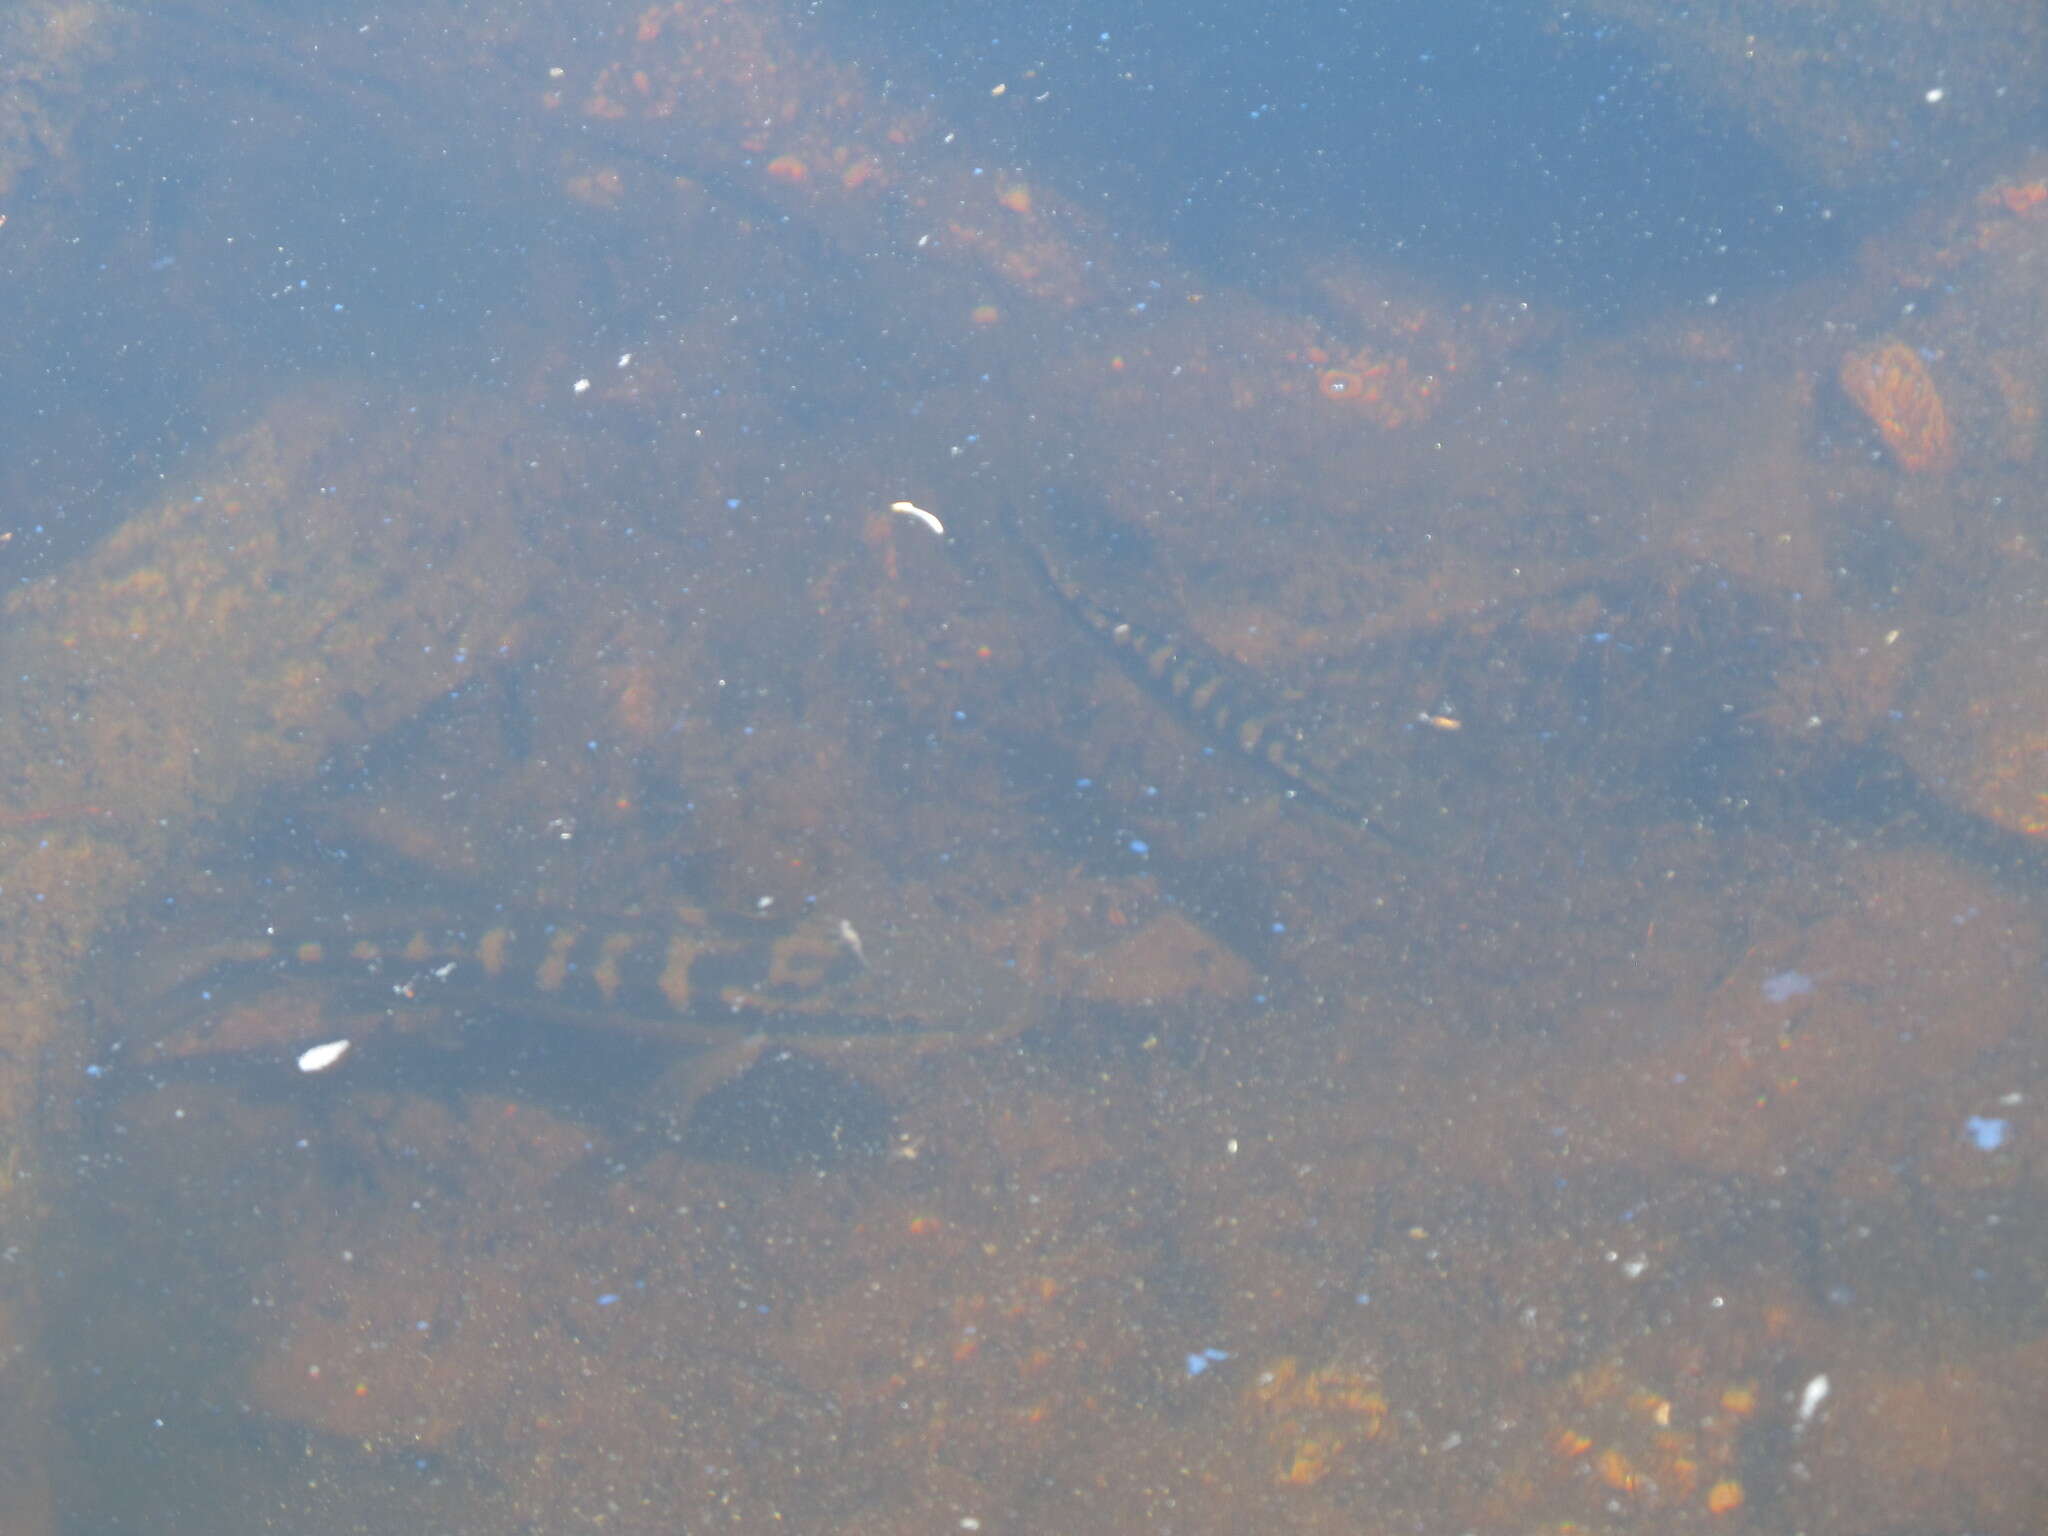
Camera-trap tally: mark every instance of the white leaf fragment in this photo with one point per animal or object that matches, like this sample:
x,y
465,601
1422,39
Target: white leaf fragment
x,y
1810,1400
912,509
320,1057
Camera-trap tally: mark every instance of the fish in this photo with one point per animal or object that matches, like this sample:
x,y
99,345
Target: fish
x,y
701,975
680,1011
1374,787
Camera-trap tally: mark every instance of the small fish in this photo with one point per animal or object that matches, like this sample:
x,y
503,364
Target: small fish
x,y
1223,703
794,978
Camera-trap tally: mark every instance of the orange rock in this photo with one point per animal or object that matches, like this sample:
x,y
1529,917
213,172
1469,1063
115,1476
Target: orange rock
x,y
2022,198
1725,1497
1617,1471
1890,384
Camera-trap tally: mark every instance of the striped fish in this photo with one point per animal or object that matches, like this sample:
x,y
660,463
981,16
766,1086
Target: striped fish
x,y
788,978
1374,787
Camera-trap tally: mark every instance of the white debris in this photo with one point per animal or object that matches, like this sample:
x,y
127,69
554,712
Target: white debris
x,y
912,509
1810,1400
321,1057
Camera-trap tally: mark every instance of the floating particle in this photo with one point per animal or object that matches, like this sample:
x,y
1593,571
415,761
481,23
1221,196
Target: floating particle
x,y
321,1057
1810,1399
1200,1360
1786,985
1988,1133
